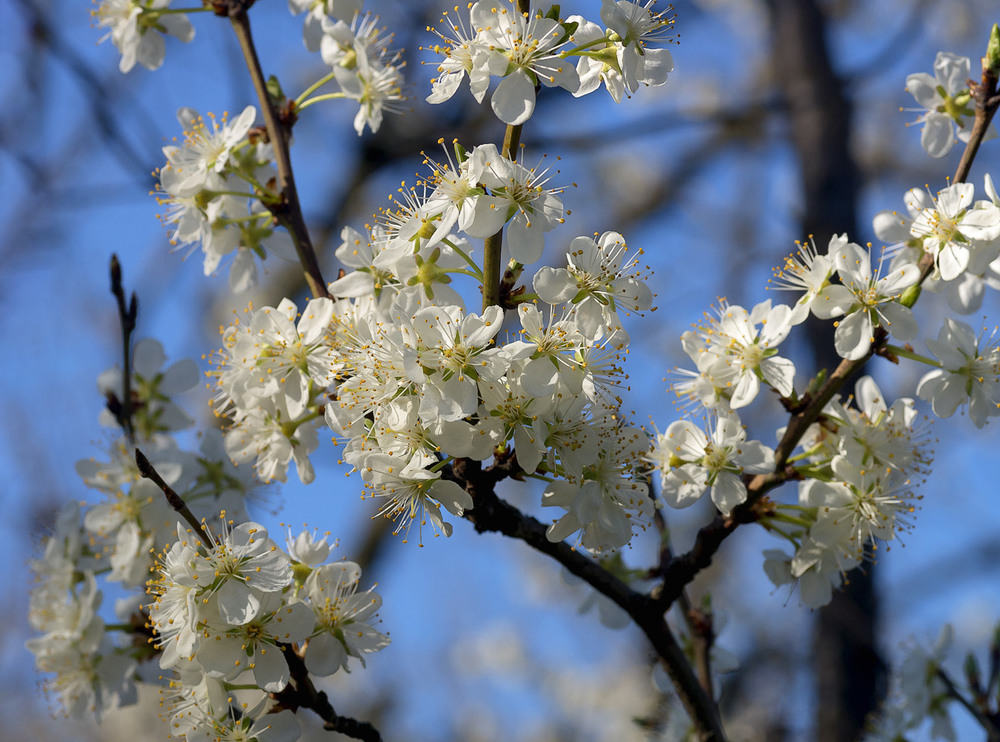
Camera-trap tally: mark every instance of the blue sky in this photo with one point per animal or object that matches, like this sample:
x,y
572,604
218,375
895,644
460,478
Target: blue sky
x,y
61,329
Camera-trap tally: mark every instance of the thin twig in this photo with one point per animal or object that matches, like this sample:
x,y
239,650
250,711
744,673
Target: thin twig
x,y
127,314
494,243
147,470
992,730
986,100
288,212
702,634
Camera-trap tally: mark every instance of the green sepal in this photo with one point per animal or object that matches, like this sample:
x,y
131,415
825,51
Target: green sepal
x,y
568,30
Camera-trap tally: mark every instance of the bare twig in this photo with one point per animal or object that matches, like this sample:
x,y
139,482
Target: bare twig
x,y
147,470
127,314
990,725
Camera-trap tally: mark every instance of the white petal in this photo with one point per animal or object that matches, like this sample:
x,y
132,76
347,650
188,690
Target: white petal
x,y
754,457
952,260
683,486
514,99
853,337
938,135
525,243
833,301
779,373
899,320
728,492
923,87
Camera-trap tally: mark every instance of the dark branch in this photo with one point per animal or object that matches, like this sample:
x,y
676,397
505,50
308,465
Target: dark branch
x,y
176,501
127,313
301,693
491,514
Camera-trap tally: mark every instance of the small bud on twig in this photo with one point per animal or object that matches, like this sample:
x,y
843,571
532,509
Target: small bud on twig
x,y
991,62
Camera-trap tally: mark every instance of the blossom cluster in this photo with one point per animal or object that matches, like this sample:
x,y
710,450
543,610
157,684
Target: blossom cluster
x,y
528,50
213,187
223,617
94,666
272,375
357,51
413,381
228,614
858,465
864,462
137,28
947,104
918,694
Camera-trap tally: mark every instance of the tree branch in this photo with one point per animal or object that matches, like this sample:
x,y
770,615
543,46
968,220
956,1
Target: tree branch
x,y
288,212
127,313
147,471
494,243
491,514
682,569
987,101
301,693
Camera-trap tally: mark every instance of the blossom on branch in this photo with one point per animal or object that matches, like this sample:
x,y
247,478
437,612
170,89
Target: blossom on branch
x,y
865,300
137,27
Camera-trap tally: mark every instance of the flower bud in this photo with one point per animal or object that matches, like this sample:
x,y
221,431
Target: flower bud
x,y
909,297
991,62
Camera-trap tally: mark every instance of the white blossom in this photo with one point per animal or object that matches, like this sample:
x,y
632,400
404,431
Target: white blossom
x,y
969,373
136,28
690,461
865,300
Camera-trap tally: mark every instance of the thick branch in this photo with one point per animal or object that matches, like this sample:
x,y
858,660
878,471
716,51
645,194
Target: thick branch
x,y
301,693
288,212
493,514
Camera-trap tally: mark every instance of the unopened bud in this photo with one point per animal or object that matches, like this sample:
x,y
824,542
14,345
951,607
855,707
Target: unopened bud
x,y
972,676
274,90
116,275
909,297
991,62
